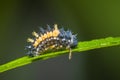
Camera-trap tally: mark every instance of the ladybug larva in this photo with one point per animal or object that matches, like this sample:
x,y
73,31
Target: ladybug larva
x,y
51,38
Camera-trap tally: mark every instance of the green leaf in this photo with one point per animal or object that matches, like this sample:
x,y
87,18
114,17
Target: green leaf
x,y
82,46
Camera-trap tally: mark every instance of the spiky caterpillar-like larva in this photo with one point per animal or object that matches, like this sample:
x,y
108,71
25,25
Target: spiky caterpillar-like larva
x,y
51,39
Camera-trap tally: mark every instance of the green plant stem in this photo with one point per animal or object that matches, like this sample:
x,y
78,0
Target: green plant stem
x,y
82,46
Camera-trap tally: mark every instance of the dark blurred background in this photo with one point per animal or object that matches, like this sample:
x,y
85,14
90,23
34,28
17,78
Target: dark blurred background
x,y
90,19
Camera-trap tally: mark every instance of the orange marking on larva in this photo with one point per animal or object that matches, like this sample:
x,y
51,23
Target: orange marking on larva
x,y
42,36
56,31
50,33
35,44
45,36
53,46
39,40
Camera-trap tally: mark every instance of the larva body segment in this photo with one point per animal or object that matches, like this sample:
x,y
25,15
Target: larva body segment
x,y
51,39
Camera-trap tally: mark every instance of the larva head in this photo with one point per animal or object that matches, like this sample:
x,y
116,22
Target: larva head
x,y
74,41
69,37
72,38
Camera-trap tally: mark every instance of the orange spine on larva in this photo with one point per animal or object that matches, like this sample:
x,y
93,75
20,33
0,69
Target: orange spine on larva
x,y
56,31
35,34
30,40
